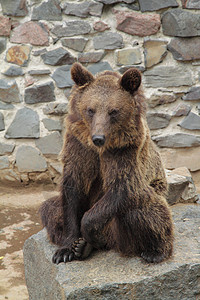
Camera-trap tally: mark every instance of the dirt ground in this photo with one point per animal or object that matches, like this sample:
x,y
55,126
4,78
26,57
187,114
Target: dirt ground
x,y
19,219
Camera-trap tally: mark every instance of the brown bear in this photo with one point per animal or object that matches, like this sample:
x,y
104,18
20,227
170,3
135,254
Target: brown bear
x,y
113,185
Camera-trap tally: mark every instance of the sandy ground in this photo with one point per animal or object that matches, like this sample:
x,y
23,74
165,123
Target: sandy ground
x,y
19,219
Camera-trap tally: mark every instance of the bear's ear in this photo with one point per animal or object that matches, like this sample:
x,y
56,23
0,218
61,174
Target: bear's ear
x,y
131,80
81,75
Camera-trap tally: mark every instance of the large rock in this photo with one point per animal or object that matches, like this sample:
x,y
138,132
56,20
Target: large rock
x,y
2,125
159,99
18,55
71,28
146,5
4,162
52,125
136,23
17,8
30,33
6,148
90,57
57,57
181,187
100,67
5,26
13,71
62,77
2,44
192,94
154,52
191,4
50,11
191,122
108,41
57,109
50,145
181,110
168,76
185,49
106,275
83,9
77,44
128,56
180,23
29,159
6,106
40,93
9,91
177,140
25,125
157,120
182,157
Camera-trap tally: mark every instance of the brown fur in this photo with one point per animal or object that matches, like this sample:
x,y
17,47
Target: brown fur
x,y
112,196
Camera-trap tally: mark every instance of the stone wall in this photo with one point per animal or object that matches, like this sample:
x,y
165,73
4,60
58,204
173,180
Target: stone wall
x,y
39,40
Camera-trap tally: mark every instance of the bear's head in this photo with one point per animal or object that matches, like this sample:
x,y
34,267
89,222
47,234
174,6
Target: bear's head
x,y
108,107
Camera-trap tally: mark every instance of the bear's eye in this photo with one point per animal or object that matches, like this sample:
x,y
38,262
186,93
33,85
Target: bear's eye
x,y
113,113
90,112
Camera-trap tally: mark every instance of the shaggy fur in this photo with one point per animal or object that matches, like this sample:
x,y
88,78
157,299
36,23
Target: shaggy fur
x,y
113,193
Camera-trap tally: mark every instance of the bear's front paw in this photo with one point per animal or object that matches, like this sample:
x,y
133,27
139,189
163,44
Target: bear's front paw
x,y
153,257
63,255
81,248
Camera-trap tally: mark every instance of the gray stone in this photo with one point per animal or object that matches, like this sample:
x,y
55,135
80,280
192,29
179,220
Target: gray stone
x,y
6,106
131,56
110,276
154,52
83,9
62,77
177,140
77,44
146,5
166,76
115,1
4,162
125,68
180,23
29,159
2,44
192,94
16,8
2,125
191,4
71,28
181,110
191,122
39,72
134,6
39,52
90,57
40,93
25,125
176,186
50,144
198,108
157,120
6,148
99,67
159,99
52,125
57,167
185,49
50,11
9,91
108,41
13,71
57,109
57,57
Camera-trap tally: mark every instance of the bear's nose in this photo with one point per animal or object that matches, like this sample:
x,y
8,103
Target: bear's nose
x,y
98,140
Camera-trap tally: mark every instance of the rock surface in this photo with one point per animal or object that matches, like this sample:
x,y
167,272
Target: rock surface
x,y
106,275
192,94
108,41
25,125
77,44
49,10
17,8
57,57
9,91
128,57
2,125
50,144
71,28
146,5
185,49
191,122
40,93
18,55
5,26
177,140
29,159
84,9
154,52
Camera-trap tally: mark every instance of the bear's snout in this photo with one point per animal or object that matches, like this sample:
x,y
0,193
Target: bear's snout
x,y
98,140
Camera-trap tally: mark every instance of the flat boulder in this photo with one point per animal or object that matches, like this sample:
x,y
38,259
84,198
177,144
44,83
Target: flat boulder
x,y
106,275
